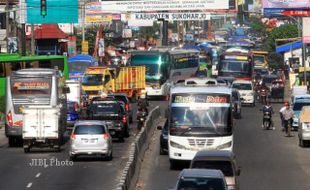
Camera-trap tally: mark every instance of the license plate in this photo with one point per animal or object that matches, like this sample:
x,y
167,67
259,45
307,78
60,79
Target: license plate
x,y
112,132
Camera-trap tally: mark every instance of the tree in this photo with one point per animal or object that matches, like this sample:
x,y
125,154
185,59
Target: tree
x,y
258,26
282,32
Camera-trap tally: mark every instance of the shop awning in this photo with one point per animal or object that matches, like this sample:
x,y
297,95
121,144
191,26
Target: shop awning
x,y
288,47
49,31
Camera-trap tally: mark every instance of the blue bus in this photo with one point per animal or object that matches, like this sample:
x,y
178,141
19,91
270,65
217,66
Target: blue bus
x,y
78,65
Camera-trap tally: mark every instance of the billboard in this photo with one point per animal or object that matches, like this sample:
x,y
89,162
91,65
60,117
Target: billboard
x,y
58,11
170,16
285,3
163,5
306,30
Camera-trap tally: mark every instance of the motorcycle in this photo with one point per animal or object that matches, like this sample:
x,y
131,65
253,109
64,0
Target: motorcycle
x,y
267,123
141,117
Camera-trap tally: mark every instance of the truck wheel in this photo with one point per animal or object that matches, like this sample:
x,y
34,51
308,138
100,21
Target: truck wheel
x,y
110,156
173,164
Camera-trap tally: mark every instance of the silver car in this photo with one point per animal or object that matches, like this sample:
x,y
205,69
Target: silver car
x,y
90,137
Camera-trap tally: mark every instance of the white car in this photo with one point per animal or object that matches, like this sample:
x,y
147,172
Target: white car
x,y
246,90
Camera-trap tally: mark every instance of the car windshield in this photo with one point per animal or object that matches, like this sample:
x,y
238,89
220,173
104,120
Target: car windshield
x,y
89,130
202,120
242,86
121,98
298,105
261,71
151,62
92,79
198,183
269,79
259,59
78,66
224,166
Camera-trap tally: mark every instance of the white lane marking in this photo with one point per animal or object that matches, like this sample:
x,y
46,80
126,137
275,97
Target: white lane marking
x,y
38,175
29,185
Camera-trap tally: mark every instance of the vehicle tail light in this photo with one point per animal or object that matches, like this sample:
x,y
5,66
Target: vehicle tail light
x,y
172,129
10,119
106,136
127,106
73,137
124,120
82,104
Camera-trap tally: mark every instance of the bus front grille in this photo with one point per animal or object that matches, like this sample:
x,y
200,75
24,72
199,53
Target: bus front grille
x,y
200,143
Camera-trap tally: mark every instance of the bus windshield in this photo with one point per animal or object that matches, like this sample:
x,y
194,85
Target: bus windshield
x,y
298,105
25,87
152,63
204,119
92,79
238,67
78,66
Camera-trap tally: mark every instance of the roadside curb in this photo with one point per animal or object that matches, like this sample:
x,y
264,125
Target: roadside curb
x,y
137,150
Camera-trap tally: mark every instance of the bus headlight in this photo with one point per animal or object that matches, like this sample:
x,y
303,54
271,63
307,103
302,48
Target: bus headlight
x,y
176,145
225,145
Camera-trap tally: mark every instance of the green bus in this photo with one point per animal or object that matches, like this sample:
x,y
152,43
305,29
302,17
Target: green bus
x,y
14,62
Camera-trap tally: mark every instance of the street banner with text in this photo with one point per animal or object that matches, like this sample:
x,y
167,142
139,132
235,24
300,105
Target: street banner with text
x,y
306,30
170,16
163,5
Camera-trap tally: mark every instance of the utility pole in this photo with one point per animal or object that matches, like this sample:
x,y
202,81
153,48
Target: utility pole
x,y
7,24
32,40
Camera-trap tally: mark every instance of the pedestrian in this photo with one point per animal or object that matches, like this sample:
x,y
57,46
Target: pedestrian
x,y
281,116
288,115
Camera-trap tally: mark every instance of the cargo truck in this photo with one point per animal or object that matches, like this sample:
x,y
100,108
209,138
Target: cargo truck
x,y
105,80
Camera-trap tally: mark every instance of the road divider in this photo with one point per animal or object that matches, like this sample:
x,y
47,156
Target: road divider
x,y
137,150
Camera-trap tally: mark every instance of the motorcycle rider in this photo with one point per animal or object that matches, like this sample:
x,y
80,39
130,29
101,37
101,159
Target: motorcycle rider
x,y
268,109
264,91
288,116
143,103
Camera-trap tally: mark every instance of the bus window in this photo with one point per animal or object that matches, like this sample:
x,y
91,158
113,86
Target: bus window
x,y
32,64
2,70
12,66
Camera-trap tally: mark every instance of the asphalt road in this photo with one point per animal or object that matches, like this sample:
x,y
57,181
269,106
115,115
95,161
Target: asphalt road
x,y
269,160
24,171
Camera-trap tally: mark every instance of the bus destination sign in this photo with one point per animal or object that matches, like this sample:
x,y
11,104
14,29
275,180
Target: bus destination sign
x,y
200,98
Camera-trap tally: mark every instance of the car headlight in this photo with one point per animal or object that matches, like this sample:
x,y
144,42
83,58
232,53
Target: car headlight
x,y
176,145
225,145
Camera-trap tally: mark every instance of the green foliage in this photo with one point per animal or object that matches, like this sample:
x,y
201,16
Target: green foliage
x,y
257,26
282,32
276,60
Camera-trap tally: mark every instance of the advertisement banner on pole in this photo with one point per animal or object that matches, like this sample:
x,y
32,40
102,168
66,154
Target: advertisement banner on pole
x,y
170,16
163,5
85,47
72,45
101,47
306,30
285,4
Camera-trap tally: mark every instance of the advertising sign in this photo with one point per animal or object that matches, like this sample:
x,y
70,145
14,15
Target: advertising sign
x,y
85,47
170,16
285,3
64,11
72,45
306,30
12,45
161,5
101,47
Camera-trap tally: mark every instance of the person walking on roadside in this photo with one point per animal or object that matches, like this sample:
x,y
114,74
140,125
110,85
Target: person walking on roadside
x,y
288,115
281,116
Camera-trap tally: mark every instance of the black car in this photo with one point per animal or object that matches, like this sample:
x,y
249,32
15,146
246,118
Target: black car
x,y
113,112
163,139
124,98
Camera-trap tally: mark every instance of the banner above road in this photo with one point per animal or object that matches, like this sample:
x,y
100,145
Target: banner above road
x,y
285,3
163,5
170,16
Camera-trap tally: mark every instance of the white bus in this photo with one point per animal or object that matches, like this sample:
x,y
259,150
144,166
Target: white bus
x,y
199,118
184,64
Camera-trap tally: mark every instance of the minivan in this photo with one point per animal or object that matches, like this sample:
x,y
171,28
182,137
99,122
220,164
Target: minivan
x,y
224,161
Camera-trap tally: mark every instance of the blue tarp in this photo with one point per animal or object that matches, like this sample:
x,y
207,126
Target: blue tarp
x,y
288,47
82,57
